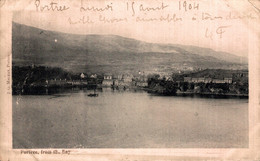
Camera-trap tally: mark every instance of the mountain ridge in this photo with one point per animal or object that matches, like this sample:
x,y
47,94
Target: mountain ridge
x,y
106,53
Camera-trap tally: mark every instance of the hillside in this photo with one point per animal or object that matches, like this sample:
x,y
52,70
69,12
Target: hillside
x,y
110,53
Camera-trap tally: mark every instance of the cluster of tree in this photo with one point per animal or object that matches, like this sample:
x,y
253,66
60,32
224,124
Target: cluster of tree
x,y
161,86
28,74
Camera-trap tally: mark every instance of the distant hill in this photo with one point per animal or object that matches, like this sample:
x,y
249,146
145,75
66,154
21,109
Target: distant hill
x,y
111,53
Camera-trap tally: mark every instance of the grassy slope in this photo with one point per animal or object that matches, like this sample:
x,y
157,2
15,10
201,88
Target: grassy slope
x,y
106,53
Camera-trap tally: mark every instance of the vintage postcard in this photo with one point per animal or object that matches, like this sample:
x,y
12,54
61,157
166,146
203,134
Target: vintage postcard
x,y
129,80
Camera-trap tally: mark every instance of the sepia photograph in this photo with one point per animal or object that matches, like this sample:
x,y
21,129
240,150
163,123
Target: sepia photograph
x,y
112,77
73,90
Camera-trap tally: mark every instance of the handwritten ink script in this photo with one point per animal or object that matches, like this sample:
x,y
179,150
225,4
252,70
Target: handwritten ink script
x,y
179,12
49,7
219,31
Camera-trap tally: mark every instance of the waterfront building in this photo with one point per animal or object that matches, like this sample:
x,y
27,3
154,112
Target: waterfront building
x,y
108,76
141,84
127,78
228,80
208,80
194,80
93,76
82,75
119,77
218,81
108,80
187,79
201,80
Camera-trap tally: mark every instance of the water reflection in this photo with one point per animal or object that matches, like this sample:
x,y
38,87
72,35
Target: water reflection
x,y
127,119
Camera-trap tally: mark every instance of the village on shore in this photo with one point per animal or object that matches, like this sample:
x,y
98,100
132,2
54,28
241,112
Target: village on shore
x,y
207,81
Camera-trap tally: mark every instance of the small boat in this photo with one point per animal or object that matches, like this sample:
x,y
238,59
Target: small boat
x,y
92,95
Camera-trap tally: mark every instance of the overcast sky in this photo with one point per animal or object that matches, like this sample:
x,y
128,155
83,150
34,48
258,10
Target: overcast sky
x,y
234,39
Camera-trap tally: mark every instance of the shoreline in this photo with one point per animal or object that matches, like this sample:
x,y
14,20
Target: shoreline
x,y
213,95
41,90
